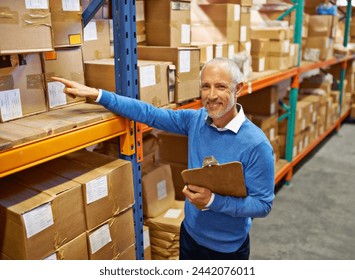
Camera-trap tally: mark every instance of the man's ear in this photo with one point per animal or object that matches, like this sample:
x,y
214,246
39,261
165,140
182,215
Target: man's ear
x,y
238,89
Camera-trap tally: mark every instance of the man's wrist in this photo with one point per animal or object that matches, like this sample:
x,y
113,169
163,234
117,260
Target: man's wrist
x,y
97,100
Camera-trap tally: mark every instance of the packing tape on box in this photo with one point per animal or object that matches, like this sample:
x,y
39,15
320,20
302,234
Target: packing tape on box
x,y
37,18
8,17
6,82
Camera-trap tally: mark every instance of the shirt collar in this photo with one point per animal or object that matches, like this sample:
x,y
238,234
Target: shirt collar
x,y
234,125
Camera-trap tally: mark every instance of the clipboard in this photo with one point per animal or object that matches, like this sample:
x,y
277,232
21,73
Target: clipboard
x,y
224,179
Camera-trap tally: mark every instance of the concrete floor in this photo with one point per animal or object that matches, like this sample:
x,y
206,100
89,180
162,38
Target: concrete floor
x,y
314,217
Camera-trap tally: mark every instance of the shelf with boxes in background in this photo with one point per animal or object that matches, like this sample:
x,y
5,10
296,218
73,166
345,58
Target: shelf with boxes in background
x,y
168,65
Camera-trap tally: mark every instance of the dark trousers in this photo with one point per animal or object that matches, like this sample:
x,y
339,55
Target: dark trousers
x,y
190,250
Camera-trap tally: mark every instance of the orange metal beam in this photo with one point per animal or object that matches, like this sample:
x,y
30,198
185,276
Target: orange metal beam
x,y
45,149
268,81
285,170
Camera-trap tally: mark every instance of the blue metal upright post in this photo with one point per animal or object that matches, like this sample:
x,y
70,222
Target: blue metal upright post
x,y
295,83
344,64
125,49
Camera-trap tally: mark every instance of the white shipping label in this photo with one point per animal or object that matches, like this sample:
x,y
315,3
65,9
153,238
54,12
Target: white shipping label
x,y
52,257
262,64
231,51
306,141
71,5
96,189
303,126
99,238
236,12
90,31
10,104
272,133
294,151
38,219
139,10
161,190
36,4
146,239
184,61
292,50
147,76
286,46
247,47
314,117
172,213
243,33
209,53
56,95
219,51
185,33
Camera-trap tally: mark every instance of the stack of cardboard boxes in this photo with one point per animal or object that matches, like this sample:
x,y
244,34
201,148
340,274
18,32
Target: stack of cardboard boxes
x,y
163,214
51,35
321,34
272,48
262,105
69,208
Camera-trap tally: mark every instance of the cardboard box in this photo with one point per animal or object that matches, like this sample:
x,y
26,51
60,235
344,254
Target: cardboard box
x,y
107,185
26,26
273,33
153,78
98,39
216,23
168,221
268,124
206,51
99,14
323,44
258,47
187,62
128,254
28,220
322,26
75,249
140,17
111,238
67,201
158,191
263,101
168,23
173,147
56,64
176,169
21,89
146,243
258,64
220,50
277,62
66,23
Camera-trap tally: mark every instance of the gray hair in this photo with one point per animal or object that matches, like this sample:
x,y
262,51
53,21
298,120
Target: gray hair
x,y
228,65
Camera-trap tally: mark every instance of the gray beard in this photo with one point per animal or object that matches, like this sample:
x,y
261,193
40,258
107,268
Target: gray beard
x,y
225,111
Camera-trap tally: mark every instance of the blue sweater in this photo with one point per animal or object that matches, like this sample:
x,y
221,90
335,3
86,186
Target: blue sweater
x,y
226,224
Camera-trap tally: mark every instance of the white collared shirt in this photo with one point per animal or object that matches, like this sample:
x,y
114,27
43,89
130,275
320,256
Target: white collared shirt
x,y
234,125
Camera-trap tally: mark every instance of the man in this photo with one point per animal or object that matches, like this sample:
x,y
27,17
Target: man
x,y
219,129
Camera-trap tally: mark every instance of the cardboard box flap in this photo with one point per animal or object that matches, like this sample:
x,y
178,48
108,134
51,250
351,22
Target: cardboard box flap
x,y
19,199
43,181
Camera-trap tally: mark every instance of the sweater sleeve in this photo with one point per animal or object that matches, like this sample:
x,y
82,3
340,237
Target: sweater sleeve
x,y
259,181
175,121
